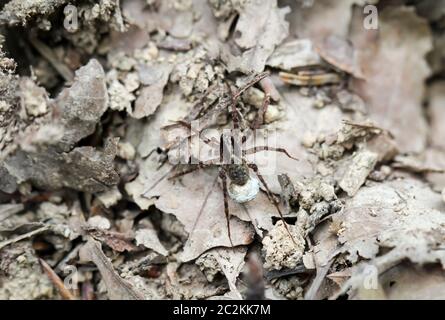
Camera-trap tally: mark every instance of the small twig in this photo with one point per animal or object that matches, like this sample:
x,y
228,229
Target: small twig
x,y
362,125
318,280
55,279
7,210
22,237
71,255
299,269
49,55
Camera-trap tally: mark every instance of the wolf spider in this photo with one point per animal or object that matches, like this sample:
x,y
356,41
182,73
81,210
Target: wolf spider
x,y
235,167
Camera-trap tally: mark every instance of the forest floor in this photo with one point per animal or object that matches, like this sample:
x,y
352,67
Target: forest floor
x,y
114,114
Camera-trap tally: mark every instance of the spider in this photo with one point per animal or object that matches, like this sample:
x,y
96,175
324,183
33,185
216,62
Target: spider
x,y
234,171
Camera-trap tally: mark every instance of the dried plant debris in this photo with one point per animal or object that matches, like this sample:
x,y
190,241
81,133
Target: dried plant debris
x,y
21,275
279,249
19,12
403,215
117,288
203,216
261,27
397,108
45,153
347,199
230,262
294,54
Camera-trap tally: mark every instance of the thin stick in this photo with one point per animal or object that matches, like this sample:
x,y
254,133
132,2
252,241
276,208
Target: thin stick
x,y
55,279
254,167
46,52
318,280
22,237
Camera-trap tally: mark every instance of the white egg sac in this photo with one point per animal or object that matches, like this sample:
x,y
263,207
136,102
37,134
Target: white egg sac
x,y
245,192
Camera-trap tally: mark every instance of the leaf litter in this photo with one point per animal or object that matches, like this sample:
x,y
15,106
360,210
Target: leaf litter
x,y
89,118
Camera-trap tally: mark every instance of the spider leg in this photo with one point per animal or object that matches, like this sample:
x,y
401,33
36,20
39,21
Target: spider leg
x,y
199,107
163,161
257,78
212,142
233,110
231,101
215,161
144,194
185,172
235,96
259,120
267,148
214,109
223,176
254,167
201,210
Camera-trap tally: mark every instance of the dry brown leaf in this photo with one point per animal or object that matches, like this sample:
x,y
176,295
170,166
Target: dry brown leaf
x,y
405,215
393,62
173,108
408,282
115,240
134,38
154,78
186,281
294,54
117,288
45,155
320,18
300,119
338,52
7,210
358,170
261,27
184,198
149,239
230,261
391,277
181,20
